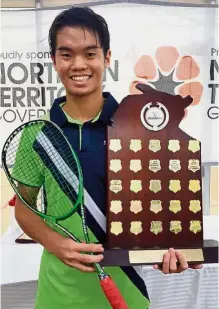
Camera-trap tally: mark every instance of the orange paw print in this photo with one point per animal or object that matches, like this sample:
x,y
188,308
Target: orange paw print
x,y
170,73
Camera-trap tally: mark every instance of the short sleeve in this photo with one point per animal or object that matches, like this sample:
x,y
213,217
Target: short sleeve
x,y
28,168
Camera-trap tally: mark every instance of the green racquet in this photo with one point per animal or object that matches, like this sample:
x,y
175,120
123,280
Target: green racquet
x,y
40,154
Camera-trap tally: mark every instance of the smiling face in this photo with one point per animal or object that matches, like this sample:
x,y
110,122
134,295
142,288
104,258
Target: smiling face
x,y
79,61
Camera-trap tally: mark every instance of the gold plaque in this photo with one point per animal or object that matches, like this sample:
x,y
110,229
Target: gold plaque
x,y
115,165
135,165
174,145
116,206
136,206
194,145
115,185
194,185
154,165
135,185
135,145
156,206
175,185
175,227
156,256
194,165
174,165
115,145
175,206
116,227
195,226
156,227
155,185
154,145
136,227
194,206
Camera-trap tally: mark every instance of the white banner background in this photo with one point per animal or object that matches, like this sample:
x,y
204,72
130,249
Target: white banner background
x,y
136,30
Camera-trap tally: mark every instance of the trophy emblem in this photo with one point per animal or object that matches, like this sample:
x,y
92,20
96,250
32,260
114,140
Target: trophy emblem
x,y
135,165
156,227
116,228
175,206
194,185
195,226
174,145
174,165
193,165
175,227
154,145
155,185
115,145
154,165
136,206
115,185
135,145
154,117
174,185
135,185
136,227
116,206
115,165
156,206
194,206
194,145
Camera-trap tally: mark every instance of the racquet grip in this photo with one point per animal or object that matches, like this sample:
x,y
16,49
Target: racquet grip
x,y
113,294
12,201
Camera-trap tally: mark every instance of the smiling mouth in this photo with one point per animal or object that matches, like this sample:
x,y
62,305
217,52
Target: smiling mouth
x,y
80,79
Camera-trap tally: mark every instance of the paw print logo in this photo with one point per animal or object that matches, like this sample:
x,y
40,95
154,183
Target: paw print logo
x,y
169,72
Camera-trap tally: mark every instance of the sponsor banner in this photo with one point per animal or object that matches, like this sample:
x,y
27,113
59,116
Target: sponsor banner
x,y
173,49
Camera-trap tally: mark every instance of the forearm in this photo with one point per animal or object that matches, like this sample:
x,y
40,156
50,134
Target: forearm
x,y
35,227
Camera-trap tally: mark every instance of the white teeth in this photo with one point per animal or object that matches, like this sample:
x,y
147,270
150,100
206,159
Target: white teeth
x,y
80,78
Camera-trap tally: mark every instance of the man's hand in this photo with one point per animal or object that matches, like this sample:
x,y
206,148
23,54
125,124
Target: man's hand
x,y
175,262
70,253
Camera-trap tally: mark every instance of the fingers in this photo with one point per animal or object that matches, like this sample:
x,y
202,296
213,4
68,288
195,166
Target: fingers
x,y
173,261
82,267
83,247
166,263
183,265
87,258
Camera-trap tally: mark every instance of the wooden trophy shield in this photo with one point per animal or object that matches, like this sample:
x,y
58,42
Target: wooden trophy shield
x,y
154,182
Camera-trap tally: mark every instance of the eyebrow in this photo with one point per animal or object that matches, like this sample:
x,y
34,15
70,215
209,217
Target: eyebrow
x,y
65,48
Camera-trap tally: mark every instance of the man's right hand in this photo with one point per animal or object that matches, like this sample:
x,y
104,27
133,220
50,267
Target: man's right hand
x,y
70,253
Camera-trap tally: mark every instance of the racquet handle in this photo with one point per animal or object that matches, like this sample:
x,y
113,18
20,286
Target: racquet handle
x,y
113,294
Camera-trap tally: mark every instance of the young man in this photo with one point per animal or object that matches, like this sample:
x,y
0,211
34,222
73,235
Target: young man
x,y
80,50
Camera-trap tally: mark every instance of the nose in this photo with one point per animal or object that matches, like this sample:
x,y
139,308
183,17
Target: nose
x,y
78,63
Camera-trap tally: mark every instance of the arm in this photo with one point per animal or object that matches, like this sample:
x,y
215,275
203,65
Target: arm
x,y
67,250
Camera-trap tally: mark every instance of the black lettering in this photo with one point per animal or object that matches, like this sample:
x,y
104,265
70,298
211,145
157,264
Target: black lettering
x,y
5,96
213,67
23,68
36,75
18,94
213,88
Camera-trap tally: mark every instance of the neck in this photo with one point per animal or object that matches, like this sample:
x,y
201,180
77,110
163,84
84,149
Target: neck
x,y
84,108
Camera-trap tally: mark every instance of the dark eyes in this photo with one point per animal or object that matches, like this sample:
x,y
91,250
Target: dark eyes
x,y
88,55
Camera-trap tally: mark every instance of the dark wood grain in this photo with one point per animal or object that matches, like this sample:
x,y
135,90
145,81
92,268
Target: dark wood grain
x,y
126,126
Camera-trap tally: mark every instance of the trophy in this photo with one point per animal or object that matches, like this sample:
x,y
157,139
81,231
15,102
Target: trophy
x,y
154,183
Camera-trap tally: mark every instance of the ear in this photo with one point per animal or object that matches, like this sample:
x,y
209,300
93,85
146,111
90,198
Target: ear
x,y
107,59
54,63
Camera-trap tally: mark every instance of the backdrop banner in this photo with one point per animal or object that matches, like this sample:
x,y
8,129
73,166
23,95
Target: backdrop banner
x,y
172,48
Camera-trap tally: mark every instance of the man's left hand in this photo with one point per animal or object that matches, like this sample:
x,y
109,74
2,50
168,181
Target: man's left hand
x,y
175,262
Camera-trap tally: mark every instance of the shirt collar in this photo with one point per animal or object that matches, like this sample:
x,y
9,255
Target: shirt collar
x,y
109,108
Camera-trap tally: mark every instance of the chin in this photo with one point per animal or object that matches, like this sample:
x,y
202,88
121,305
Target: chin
x,y
81,92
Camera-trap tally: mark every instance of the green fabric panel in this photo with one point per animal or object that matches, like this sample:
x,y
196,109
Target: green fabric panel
x,y
61,286
26,157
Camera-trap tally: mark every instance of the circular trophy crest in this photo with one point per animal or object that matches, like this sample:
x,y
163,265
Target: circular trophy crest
x,y
154,116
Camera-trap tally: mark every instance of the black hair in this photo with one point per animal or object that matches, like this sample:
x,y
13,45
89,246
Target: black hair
x,y
85,18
